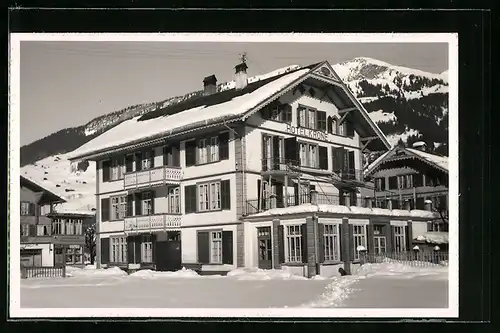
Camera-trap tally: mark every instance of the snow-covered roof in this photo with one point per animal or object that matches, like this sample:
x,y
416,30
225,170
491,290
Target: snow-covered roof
x,y
440,161
433,237
215,110
140,130
37,187
353,210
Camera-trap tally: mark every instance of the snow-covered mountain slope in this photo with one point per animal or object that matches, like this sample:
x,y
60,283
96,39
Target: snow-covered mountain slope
x,y
407,105
77,187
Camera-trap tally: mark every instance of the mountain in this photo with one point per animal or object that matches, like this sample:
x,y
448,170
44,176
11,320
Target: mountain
x,y
408,105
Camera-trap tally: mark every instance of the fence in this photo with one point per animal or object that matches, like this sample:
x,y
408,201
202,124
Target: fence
x,y
269,202
42,272
410,258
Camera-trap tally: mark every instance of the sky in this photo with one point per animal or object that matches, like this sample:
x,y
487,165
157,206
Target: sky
x,y
68,83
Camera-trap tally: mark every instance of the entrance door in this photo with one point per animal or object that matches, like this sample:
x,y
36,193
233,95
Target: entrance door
x,y
379,244
265,247
168,253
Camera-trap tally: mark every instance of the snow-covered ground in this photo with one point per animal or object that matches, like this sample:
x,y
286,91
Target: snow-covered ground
x,y
373,285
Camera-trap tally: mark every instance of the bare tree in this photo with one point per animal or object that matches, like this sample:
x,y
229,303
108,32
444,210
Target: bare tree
x,y
90,242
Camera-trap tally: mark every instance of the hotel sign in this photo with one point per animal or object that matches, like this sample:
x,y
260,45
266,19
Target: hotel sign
x,y
67,240
307,132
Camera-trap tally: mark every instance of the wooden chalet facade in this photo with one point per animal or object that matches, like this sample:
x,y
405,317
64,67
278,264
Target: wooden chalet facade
x,y
199,195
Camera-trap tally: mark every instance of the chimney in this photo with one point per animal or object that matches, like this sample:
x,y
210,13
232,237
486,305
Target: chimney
x,y
241,78
209,85
420,145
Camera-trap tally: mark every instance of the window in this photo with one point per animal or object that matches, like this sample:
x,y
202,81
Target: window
x,y
331,238
118,249
302,115
74,255
332,125
25,229
359,237
405,181
42,230
399,239
70,227
214,148
215,196
147,249
116,169
202,151
147,160
309,155
174,206
311,119
216,247
209,195
293,243
380,184
118,207
78,227
57,227
321,121
147,204
26,208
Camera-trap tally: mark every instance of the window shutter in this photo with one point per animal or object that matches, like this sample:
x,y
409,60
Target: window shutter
x,y
276,152
429,227
342,250
352,165
321,242
190,152
351,241
369,238
130,205
129,163
165,155
323,158
104,250
345,159
105,207
296,194
291,151
408,238
330,124
190,199
382,184
176,157
393,183
303,229
264,155
224,146
259,196
32,230
32,209
393,238
130,250
203,247
153,154
227,247
153,196
418,180
225,196
153,247
138,249
321,121
281,244
138,161
298,116
106,172
287,112
349,128
138,206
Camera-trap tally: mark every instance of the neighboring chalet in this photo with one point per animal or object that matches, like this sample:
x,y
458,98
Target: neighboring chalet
x,y
413,178
50,238
266,173
36,240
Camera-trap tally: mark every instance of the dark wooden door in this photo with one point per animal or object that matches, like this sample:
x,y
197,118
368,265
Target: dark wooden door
x,y
168,255
280,200
265,247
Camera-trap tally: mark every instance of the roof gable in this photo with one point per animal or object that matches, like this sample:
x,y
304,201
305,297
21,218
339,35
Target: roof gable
x,y
397,152
51,196
326,70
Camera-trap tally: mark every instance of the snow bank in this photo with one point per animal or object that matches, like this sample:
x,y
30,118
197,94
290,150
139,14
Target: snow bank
x,y
434,237
352,210
93,272
401,270
260,274
180,274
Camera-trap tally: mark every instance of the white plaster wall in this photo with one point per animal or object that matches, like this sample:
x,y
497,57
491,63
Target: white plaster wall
x,y
418,228
47,252
115,226
161,200
211,168
359,221
218,217
158,156
189,246
251,186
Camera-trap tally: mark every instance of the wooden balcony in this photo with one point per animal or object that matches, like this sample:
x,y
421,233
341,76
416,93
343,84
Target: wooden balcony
x,y
160,175
149,223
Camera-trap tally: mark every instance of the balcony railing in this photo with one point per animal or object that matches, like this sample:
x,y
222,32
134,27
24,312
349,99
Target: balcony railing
x,y
348,174
256,206
152,222
156,175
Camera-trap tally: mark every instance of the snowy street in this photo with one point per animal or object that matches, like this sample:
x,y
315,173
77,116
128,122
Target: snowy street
x,y
373,286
